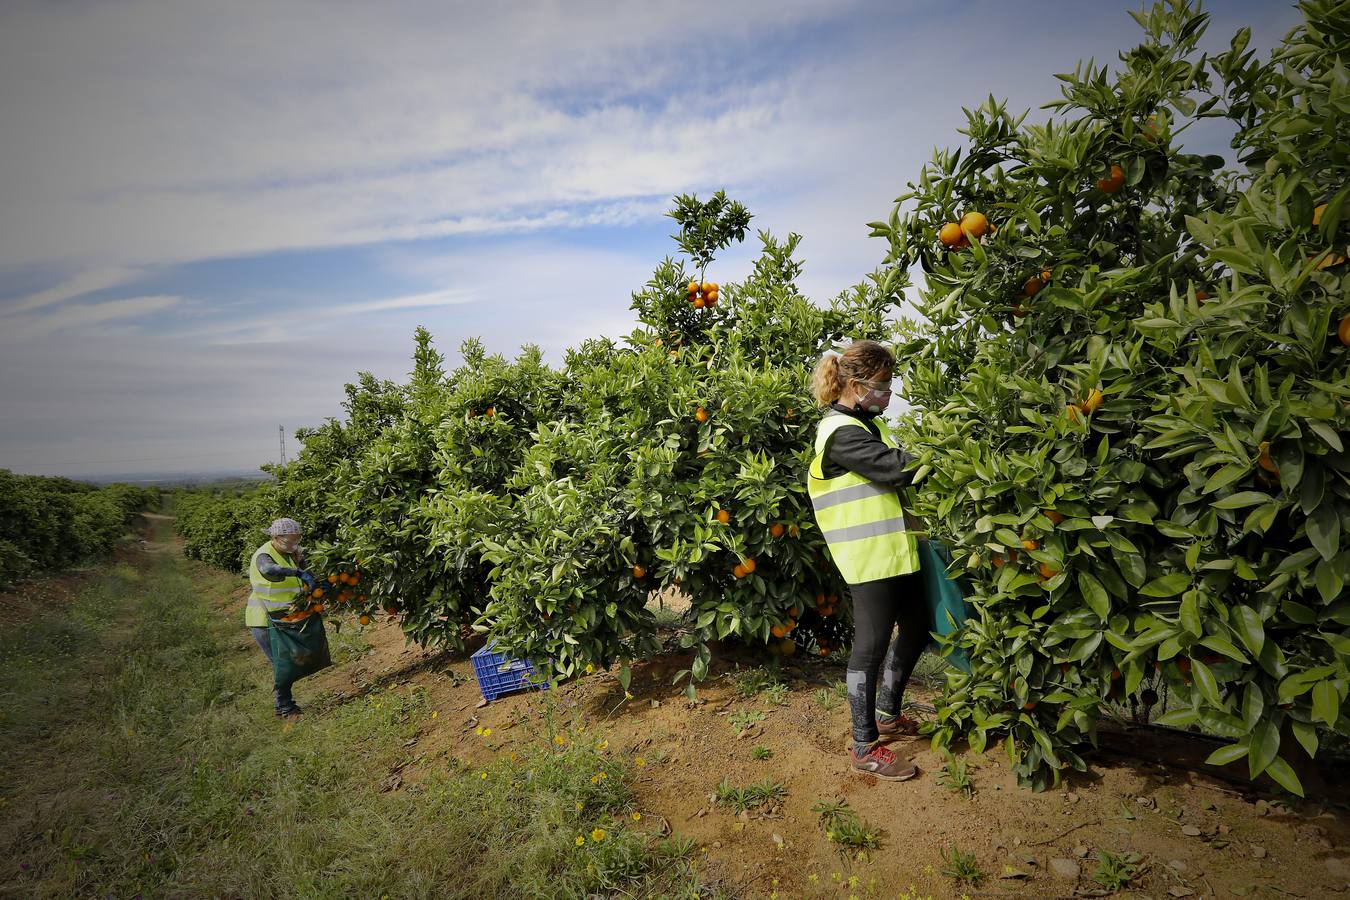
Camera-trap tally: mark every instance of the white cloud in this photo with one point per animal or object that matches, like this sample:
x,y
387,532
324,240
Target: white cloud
x,y
84,316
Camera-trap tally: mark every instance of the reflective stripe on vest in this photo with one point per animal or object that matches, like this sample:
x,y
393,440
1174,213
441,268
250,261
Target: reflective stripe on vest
x,y
863,522
269,596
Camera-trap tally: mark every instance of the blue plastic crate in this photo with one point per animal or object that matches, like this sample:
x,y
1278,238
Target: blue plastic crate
x,y
499,674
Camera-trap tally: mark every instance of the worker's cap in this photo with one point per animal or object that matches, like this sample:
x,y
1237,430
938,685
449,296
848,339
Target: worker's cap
x,y
283,526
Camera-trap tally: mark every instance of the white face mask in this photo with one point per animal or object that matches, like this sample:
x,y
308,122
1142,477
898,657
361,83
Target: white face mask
x,y
288,543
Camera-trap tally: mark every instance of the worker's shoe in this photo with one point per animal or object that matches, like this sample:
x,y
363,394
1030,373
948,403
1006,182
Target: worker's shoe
x,y
897,726
877,761
290,712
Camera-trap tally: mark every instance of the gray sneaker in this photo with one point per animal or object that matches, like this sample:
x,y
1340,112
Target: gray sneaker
x,y
881,763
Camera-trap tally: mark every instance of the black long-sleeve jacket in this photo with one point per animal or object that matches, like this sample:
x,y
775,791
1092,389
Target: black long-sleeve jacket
x,y
864,453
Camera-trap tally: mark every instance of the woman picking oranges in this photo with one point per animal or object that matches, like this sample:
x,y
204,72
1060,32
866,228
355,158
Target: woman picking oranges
x,y
853,484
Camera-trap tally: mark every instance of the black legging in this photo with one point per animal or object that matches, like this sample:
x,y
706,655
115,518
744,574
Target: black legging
x,y
877,607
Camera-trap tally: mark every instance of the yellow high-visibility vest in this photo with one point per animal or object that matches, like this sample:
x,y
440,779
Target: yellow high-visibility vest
x,y
863,522
269,596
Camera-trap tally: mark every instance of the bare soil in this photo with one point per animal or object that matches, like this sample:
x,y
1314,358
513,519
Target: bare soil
x,y
1196,836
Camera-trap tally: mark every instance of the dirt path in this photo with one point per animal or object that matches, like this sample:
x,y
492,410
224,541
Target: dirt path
x,y
1192,836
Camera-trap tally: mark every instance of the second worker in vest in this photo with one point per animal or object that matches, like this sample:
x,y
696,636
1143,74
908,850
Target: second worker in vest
x,y
853,484
277,575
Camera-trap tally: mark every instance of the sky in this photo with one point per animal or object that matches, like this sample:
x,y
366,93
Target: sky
x,y
213,215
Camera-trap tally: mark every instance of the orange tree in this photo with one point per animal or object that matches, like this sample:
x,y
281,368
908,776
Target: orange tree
x,y
677,461
1129,397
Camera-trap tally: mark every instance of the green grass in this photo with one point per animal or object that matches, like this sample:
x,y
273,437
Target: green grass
x,y
749,797
142,757
845,827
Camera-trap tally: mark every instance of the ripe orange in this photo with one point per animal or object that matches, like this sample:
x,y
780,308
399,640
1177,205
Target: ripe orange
x,y
639,572
701,415
710,300
318,593
1201,296
1053,515
749,566
1020,311
824,650
975,223
492,410
778,631
1029,544
997,561
1093,401
776,530
723,516
951,234
332,579
792,531
1047,571
820,599
317,607
657,342
360,598
1329,260
693,287
1343,332
738,571
1263,458
1114,182
364,619
1075,412
1030,705
1317,214
1033,286
709,287
826,611
792,612
699,303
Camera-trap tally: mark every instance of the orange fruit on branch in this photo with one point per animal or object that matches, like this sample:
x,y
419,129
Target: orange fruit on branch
x,y
332,579
701,415
749,565
709,287
639,572
1020,311
723,516
1075,412
776,530
951,234
1263,458
975,223
738,571
1048,571
1054,516
1317,214
1343,331
693,287
700,303
1030,544
1093,401
778,631
1033,286
1113,182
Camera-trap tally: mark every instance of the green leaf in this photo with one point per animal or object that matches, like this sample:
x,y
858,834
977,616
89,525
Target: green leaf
x,y
1265,746
1253,704
1241,499
1205,681
1177,718
1167,585
1328,434
1284,776
1326,702
1230,753
1324,530
1306,735
1250,629
1190,613
1094,595
625,676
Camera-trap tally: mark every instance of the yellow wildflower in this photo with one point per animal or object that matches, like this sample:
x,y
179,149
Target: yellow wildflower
x,y
560,740
581,841
487,732
598,834
434,714
604,745
639,762
478,730
580,806
484,776
637,817
589,668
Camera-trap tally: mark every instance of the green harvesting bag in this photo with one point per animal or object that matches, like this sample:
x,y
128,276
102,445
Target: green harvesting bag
x,y
945,596
298,649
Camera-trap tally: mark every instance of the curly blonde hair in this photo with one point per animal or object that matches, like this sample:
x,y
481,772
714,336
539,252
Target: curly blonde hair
x,y
862,361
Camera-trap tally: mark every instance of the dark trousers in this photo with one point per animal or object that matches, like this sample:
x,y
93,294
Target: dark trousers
x,y
878,606
264,642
